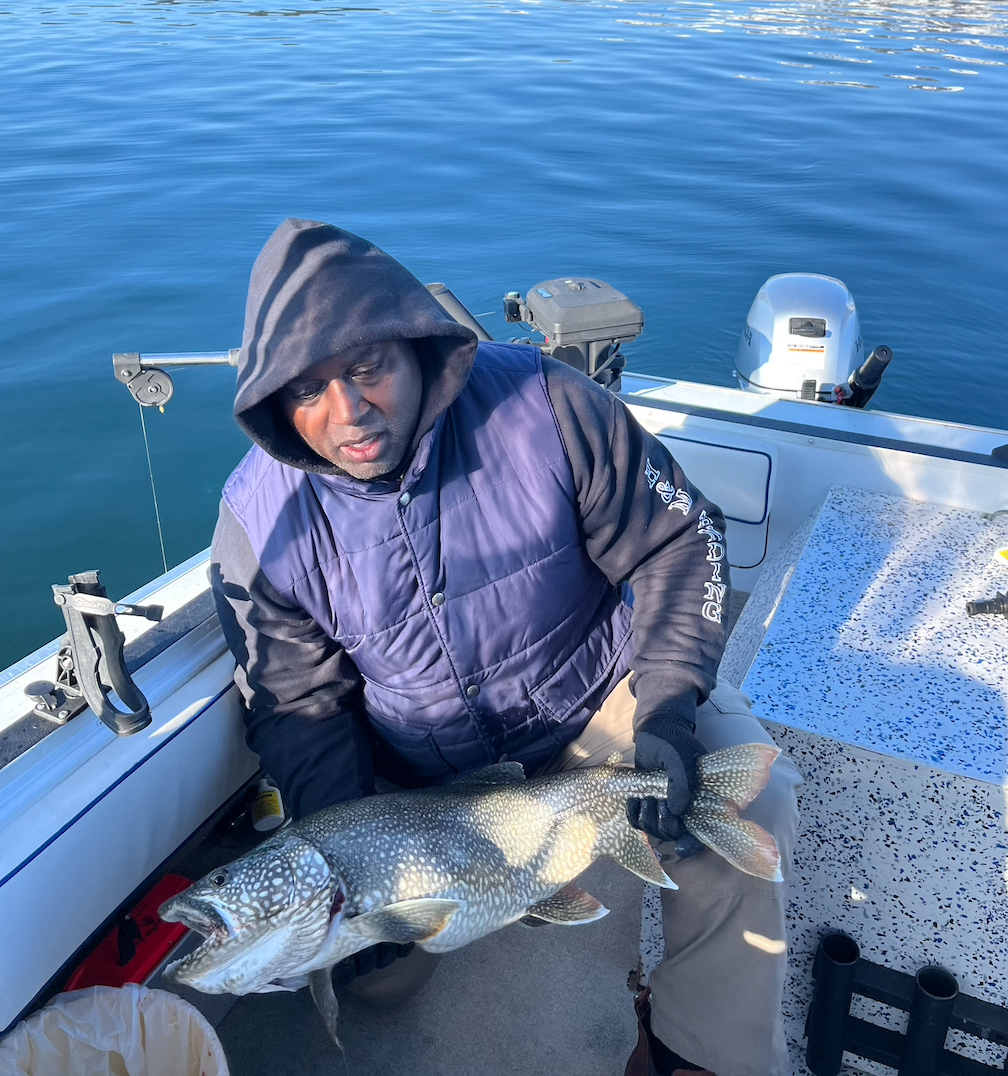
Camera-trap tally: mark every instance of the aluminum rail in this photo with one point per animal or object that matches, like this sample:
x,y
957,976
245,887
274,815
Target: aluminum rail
x,y
145,376
151,386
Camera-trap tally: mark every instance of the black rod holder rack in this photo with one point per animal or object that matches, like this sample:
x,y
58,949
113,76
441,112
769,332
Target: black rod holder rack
x,y
931,997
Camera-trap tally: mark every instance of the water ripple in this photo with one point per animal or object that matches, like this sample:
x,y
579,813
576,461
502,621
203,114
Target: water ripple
x,y
683,150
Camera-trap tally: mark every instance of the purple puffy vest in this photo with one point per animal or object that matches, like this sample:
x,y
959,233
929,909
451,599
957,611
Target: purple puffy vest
x,y
464,596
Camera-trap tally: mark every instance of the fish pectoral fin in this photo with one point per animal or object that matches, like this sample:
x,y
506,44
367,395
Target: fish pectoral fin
x,y
293,983
568,907
637,855
407,921
532,921
320,985
715,822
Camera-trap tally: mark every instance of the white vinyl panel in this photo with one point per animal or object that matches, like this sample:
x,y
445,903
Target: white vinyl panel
x,y
737,480
54,902
746,543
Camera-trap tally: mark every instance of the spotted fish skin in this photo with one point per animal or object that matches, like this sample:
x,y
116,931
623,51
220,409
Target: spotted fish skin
x,y
444,866
499,844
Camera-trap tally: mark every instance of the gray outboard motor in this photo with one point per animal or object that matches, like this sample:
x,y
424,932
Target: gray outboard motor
x,y
584,321
802,340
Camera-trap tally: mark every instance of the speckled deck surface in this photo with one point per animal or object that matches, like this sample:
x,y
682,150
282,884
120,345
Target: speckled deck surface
x,y
870,644
858,654
908,860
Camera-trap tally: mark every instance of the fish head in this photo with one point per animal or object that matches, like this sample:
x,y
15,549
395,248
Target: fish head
x,y
262,917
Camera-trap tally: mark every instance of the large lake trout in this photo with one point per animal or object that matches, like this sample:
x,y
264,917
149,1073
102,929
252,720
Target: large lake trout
x,y
444,866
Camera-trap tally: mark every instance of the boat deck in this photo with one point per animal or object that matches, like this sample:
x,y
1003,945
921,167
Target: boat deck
x,y
98,816
543,1001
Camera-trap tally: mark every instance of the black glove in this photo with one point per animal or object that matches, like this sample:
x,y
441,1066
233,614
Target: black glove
x,y
666,742
377,956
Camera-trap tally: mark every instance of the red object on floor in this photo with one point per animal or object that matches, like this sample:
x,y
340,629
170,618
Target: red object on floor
x,y
136,945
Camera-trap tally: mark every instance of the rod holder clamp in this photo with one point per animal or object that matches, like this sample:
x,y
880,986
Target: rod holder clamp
x,y
149,383
90,662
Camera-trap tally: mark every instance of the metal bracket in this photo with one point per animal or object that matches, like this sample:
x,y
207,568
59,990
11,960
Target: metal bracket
x,y
148,381
90,663
151,385
51,700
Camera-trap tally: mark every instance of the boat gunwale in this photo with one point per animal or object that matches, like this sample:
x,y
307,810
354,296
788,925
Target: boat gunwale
x,y
825,433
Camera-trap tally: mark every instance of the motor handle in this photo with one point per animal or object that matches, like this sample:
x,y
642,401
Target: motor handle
x,y
865,380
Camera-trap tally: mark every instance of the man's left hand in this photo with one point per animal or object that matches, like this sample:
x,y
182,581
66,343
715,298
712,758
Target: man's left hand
x,y
666,743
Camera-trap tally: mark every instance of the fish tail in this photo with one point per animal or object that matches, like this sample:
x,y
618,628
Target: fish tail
x,y
738,773
728,781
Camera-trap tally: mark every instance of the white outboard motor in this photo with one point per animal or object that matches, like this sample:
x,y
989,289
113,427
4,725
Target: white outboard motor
x,y
802,340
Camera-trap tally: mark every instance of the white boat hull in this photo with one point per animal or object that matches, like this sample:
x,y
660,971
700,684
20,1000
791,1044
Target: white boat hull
x,y
85,817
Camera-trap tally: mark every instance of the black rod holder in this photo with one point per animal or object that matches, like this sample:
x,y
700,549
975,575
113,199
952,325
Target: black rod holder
x,y
932,998
826,1027
90,664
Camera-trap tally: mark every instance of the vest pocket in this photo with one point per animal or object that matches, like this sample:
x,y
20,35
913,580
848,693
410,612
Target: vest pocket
x,y
584,673
406,753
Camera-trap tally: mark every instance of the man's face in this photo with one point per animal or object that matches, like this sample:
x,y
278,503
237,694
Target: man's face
x,y
359,409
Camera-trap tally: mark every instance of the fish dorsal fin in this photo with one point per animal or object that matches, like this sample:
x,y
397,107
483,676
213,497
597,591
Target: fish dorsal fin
x,y
568,907
636,854
407,921
503,773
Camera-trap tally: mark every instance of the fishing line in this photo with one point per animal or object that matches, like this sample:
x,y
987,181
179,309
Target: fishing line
x,y
150,471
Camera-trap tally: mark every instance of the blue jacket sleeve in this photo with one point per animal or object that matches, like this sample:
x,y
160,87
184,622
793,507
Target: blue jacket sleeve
x,y
644,523
304,713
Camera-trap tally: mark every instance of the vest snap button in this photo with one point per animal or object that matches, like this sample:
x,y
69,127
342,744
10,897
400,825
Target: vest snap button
x,y
472,691
437,599
405,498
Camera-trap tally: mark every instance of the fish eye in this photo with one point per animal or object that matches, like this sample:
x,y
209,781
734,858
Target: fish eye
x,y
219,878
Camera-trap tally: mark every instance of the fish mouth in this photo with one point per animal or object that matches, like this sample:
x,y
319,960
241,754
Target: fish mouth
x,y
202,917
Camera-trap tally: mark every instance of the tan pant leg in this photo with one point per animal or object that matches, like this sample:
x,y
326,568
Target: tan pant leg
x,y
716,998
610,730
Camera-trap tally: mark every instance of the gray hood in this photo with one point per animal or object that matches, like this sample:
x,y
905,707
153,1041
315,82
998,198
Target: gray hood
x,y
315,291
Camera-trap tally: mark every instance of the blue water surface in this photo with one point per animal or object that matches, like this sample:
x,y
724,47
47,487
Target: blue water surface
x,y
682,151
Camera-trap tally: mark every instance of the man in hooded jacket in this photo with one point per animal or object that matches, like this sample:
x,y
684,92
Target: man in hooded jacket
x,y
421,568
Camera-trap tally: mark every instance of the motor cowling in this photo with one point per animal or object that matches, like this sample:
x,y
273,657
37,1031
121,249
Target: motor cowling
x,y
584,321
802,340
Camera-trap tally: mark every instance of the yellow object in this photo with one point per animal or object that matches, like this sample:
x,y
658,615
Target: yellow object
x,y
267,807
1001,555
